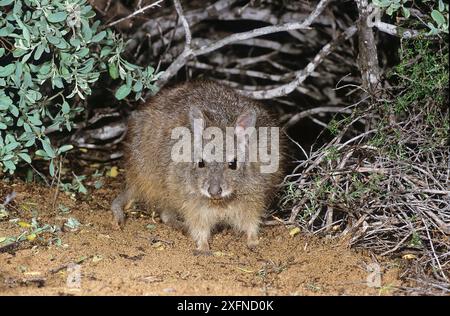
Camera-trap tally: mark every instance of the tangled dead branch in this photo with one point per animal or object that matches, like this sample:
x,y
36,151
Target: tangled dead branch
x,y
189,53
301,75
166,46
389,197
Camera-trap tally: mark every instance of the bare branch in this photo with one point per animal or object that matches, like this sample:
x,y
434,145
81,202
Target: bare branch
x,y
237,71
322,109
402,33
184,22
142,10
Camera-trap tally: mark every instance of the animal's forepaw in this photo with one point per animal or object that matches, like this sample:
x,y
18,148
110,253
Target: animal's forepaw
x,y
252,243
118,222
202,249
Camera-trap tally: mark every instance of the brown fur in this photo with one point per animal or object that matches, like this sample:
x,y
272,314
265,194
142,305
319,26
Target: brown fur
x,y
174,188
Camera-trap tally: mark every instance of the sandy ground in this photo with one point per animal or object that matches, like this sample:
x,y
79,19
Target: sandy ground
x,y
149,258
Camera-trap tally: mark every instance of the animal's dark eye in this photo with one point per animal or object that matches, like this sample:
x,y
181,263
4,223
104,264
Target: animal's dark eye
x,y
232,164
201,164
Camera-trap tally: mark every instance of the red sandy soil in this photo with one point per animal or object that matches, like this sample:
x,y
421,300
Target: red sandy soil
x,y
158,260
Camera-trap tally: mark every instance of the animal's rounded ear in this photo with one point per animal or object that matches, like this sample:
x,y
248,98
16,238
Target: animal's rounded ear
x,y
246,119
196,118
245,132
198,124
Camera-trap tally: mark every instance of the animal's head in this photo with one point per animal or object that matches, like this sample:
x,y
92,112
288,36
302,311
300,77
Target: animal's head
x,y
223,164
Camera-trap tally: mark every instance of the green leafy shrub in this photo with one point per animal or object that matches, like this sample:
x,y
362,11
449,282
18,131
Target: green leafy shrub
x,y
422,74
436,10
51,55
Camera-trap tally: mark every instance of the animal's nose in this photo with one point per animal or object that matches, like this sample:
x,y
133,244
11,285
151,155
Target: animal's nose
x,y
215,190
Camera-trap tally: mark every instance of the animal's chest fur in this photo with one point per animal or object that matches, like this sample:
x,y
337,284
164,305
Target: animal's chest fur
x,y
234,214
